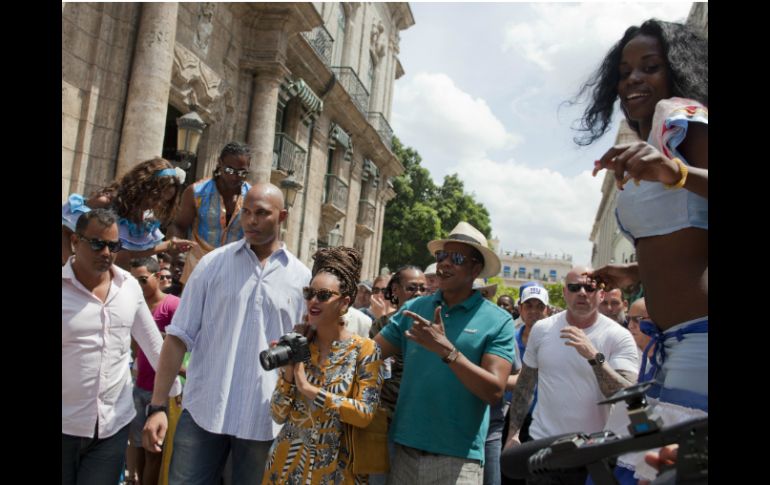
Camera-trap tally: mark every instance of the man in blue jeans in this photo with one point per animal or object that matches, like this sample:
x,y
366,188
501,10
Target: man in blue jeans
x,y
102,307
240,297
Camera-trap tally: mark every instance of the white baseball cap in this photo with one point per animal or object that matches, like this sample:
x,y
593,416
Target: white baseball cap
x,y
534,291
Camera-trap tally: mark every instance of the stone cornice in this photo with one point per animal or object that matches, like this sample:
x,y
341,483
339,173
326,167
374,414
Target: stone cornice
x,y
401,14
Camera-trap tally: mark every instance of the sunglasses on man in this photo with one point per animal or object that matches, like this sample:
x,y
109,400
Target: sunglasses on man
x,y
456,258
98,244
376,290
164,277
415,288
242,173
322,295
637,319
575,287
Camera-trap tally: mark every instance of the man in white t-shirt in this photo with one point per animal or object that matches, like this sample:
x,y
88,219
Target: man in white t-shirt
x,y
577,358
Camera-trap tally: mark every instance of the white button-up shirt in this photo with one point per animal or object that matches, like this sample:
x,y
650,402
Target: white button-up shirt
x,y
231,309
96,349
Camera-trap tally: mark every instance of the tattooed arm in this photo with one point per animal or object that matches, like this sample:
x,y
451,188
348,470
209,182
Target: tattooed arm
x,y
520,402
612,380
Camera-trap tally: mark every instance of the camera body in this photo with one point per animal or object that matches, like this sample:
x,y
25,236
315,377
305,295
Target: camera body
x,y
290,349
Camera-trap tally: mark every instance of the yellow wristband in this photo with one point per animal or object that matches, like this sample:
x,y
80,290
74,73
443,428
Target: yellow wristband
x,y
683,169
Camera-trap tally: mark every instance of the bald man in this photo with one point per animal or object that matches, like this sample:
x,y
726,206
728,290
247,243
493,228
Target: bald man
x,y
576,358
239,298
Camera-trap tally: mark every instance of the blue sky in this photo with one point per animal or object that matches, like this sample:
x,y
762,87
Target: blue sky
x,y
483,97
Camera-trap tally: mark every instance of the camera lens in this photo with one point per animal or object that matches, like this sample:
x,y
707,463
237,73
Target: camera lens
x,y
278,356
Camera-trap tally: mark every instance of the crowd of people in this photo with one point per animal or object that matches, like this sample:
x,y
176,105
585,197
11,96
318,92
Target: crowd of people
x,y
163,381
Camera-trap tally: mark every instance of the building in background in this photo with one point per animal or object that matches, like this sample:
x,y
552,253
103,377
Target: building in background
x,y
519,267
308,85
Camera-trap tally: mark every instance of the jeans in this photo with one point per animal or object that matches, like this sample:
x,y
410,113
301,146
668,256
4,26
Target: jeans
x,y
492,462
93,461
199,456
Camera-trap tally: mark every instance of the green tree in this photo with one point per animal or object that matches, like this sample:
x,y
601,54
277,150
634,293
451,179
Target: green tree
x,y
422,212
556,295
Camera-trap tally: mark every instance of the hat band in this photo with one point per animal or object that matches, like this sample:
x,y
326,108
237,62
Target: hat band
x,y
463,237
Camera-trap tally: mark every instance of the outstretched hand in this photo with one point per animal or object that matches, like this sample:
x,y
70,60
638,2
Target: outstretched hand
x,y
615,276
638,161
430,335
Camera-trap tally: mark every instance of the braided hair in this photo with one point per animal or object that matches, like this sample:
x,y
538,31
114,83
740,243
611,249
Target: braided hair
x,y
342,262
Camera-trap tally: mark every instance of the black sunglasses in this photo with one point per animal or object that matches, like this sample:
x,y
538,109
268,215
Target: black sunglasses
x,y
142,279
376,290
575,287
98,244
164,277
457,258
242,173
321,295
415,288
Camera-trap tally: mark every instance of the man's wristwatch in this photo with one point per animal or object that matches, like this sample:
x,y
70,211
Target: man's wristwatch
x,y
150,410
597,360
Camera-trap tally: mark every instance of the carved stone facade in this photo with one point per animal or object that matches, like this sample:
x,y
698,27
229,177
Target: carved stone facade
x,y
308,85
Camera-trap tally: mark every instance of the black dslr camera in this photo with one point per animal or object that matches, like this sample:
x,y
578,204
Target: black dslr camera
x,y
291,348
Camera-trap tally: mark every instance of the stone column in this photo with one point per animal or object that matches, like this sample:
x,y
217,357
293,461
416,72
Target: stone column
x,y
261,131
144,123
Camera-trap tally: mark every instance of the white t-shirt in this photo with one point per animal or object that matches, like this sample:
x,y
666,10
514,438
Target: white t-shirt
x,y
357,322
567,389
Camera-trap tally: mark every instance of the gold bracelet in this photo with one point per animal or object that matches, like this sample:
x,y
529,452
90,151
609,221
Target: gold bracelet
x,y
683,169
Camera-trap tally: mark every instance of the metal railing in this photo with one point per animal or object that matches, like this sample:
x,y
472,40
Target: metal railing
x,y
366,214
288,156
336,192
353,85
380,123
321,41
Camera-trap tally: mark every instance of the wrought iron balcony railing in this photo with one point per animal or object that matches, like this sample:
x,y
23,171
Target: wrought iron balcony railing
x,y
321,41
366,214
289,157
336,192
380,123
353,85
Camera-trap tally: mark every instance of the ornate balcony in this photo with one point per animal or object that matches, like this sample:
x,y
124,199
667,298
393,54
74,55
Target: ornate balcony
x,y
321,41
336,193
365,222
380,123
355,88
288,157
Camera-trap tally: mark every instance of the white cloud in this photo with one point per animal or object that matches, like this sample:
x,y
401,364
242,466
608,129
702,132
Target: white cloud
x,y
450,124
536,209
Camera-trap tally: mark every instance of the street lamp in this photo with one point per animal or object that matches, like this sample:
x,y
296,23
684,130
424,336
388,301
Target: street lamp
x,y
335,236
290,187
190,127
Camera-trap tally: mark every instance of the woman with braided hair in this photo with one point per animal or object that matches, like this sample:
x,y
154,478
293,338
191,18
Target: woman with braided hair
x,y
340,386
145,198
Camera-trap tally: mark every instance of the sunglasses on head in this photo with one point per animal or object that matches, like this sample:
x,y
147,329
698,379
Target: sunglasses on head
x,y
321,295
415,288
456,258
575,287
242,173
98,244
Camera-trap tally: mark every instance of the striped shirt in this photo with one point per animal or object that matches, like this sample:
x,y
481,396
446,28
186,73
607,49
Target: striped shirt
x,y
231,309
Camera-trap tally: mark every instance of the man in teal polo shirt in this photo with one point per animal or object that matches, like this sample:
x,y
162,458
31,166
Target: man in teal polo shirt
x,y
458,349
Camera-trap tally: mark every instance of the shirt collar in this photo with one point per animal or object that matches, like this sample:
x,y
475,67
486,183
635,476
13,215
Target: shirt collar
x,y
467,304
119,275
282,252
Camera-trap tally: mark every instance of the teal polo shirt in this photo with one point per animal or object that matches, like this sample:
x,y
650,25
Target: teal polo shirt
x,y
435,412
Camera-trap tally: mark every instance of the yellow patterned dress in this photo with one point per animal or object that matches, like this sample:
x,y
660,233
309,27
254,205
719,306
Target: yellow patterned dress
x,y
311,447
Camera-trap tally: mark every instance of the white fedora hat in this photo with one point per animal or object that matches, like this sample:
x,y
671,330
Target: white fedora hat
x,y
466,234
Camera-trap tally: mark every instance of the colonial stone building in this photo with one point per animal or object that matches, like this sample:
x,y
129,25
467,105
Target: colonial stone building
x,y
308,85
